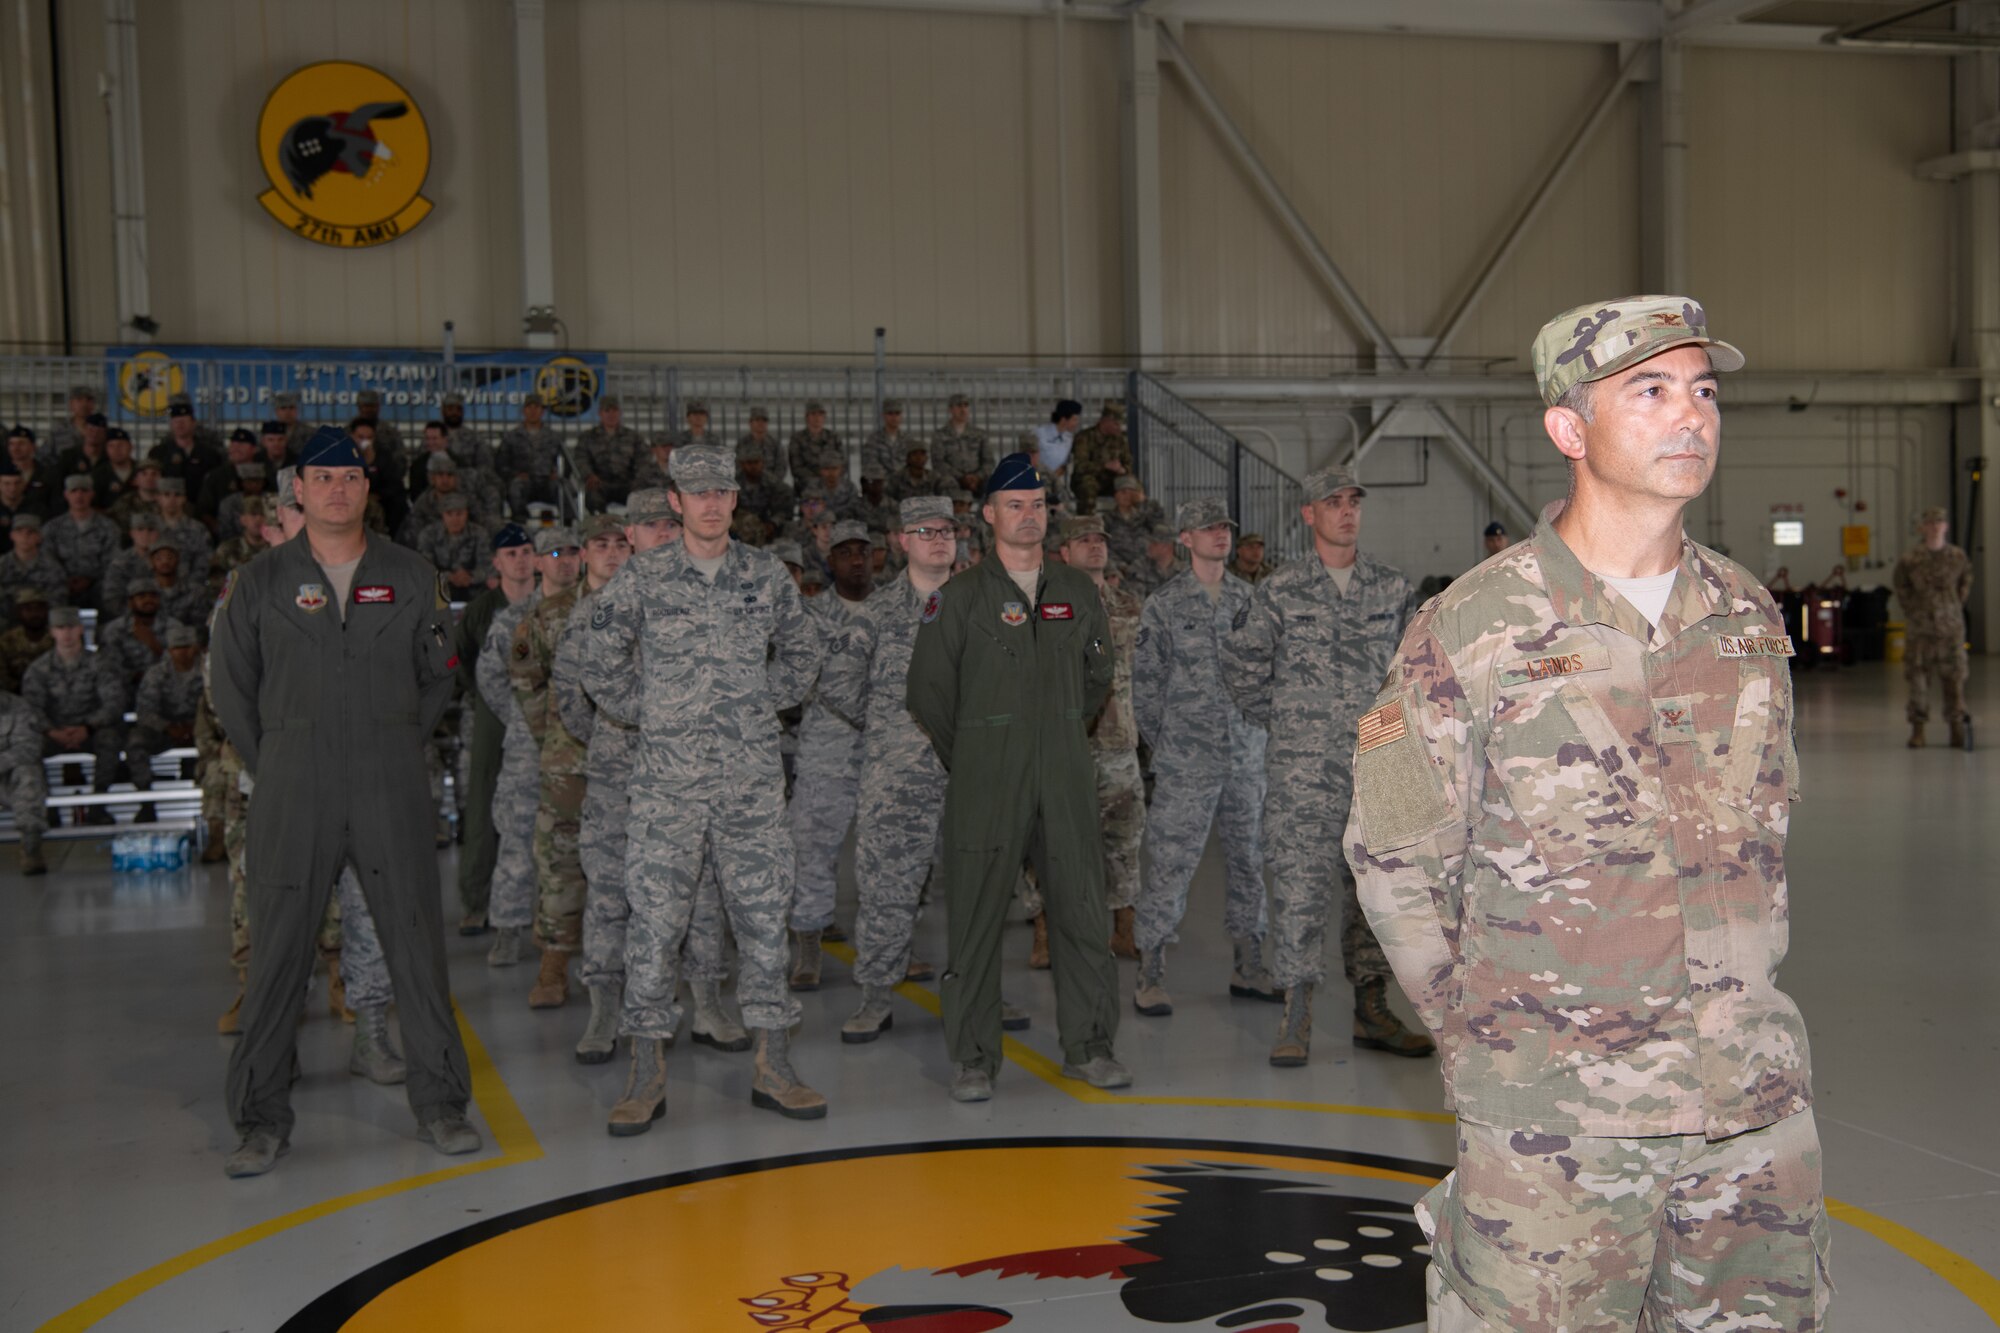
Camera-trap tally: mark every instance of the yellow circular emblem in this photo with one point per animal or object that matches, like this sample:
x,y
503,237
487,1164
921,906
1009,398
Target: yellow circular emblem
x,y
346,150
147,381
566,386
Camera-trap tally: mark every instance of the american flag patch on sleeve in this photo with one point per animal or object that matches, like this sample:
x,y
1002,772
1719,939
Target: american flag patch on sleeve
x,y
1380,727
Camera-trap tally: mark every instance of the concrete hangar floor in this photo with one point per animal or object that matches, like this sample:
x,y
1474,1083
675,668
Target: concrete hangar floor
x,y
1280,1192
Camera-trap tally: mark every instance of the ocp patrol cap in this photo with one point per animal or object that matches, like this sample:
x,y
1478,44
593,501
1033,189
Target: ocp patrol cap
x,y
601,525
1088,526
1602,338
554,541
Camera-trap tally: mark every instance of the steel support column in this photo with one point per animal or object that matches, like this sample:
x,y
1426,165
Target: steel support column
x,y
1139,194
531,110
1975,115
128,169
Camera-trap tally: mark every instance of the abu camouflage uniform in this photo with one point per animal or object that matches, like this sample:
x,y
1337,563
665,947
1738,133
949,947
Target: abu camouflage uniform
x,y
166,698
558,816
86,692
890,454
901,799
120,648
612,456
83,550
1114,748
1302,661
601,837
43,573
808,453
186,535
702,667
518,793
1127,533
771,449
534,452
1208,761
471,550
826,782
960,454
21,775
1569,828
1932,587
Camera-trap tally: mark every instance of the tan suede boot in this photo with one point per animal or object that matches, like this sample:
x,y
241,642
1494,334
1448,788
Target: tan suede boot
x,y
1377,1029
805,960
551,988
645,1098
1038,956
336,990
776,1087
1123,945
1916,741
1295,1029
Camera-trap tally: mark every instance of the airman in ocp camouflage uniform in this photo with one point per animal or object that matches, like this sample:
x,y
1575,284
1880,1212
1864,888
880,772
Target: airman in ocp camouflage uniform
x,y
169,694
459,556
1114,737
1933,578
902,783
559,810
1302,661
827,778
699,644
1208,762
1099,457
27,640
1131,522
1569,826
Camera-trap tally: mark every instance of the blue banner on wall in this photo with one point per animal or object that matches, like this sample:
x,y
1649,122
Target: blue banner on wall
x,y
238,385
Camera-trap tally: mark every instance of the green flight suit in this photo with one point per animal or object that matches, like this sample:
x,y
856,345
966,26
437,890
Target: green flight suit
x,y
480,850
1006,687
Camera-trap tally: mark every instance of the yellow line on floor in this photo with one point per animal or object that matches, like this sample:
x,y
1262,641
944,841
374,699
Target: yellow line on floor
x,y
511,1134
1975,1283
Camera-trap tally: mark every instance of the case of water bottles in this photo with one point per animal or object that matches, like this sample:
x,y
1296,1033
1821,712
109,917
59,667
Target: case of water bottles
x,y
148,853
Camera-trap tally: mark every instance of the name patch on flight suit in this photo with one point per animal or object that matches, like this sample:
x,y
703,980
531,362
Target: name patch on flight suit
x,y
377,594
1058,611
1013,613
1754,645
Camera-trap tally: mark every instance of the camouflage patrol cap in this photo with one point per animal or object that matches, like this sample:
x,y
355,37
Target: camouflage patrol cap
x,y
1331,481
77,481
600,525
608,400
26,523
815,406
148,465
1935,514
1113,407
456,500
695,405
183,636
441,462
144,521
1125,484
959,400
135,587
891,405
548,541
22,596
250,472
83,391
452,399
787,551
173,486
811,577
921,509
1605,337
368,398
747,450
760,414
1194,515
1089,526
703,467
872,471
61,616
254,506
847,530
285,398
1162,532
650,506
286,493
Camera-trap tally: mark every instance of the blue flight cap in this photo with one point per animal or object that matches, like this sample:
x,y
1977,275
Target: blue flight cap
x,y
330,446
511,534
1015,472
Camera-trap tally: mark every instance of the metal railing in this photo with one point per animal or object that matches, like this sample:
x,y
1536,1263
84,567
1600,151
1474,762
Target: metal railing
x,y
1180,453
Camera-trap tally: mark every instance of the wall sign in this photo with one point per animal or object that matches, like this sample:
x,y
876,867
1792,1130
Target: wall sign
x,y
346,150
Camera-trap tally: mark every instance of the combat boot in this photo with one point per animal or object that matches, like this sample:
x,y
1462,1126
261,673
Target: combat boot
x,y
1013,1018
600,1035
1038,956
919,970
375,1056
231,1022
805,959
31,855
872,1019
776,1087
1295,1029
506,950
551,988
1150,996
1247,979
712,1024
336,989
212,848
1122,943
970,1083
1916,741
645,1098
1378,1029
473,923
258,1152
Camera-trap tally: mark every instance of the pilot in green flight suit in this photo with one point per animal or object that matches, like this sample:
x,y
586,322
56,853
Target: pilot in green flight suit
x,y
1012,662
